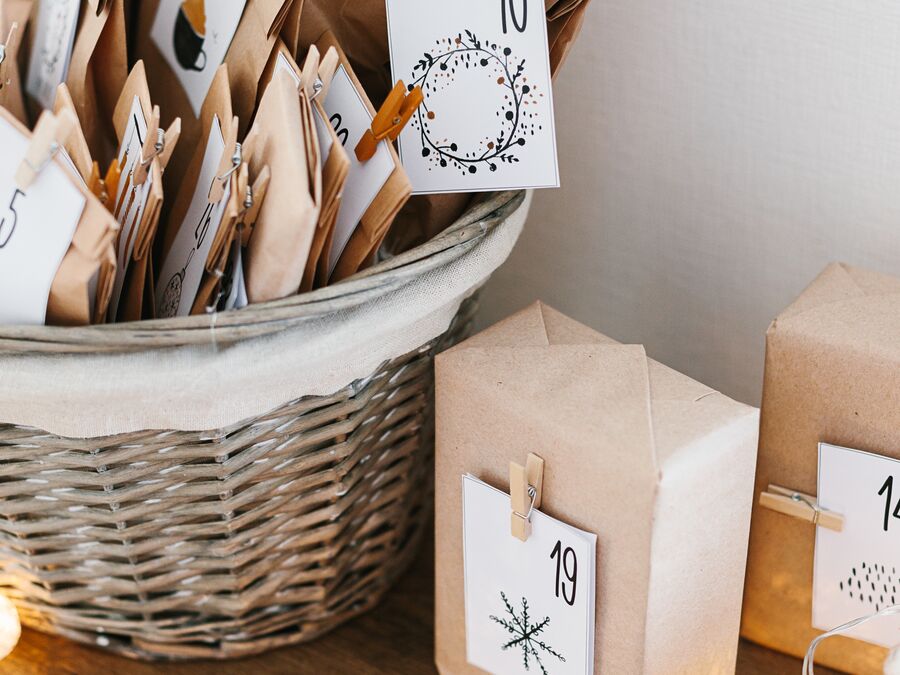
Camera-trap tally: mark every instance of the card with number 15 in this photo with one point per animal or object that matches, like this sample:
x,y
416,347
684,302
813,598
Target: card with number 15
x,y
487,119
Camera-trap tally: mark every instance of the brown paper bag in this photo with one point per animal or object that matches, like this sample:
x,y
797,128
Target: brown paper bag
x,y
11,95
378,218
217,104
279,245
831,376
333,168
97,72
78,295
132,306
658,466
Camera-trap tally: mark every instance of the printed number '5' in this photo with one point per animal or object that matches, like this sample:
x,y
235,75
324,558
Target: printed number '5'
x,y
8,223
508,7
563,560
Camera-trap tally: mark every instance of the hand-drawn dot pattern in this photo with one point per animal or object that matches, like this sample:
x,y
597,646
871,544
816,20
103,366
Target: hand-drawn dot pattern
x,y
873,586
517,116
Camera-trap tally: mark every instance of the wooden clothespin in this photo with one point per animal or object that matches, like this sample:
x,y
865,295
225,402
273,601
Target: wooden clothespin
x,y
309,73
49,135
170,140
397,110
231,161
800,505
153,145
327,68
525,485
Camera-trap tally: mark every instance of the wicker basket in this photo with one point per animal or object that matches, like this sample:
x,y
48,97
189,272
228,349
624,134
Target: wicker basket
x,y
224,543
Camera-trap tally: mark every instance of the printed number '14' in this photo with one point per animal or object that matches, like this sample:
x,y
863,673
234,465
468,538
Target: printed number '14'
x,y
570,570
8,221
508,9
887,489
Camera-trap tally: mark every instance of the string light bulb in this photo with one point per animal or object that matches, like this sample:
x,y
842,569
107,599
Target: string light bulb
x,y
10,628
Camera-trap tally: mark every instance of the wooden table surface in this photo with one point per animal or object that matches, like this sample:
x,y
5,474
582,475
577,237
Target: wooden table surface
x,y
396,638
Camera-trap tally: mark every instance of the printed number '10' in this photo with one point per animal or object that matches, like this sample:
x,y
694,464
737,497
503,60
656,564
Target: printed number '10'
x,y
887,489
567,563
508,9
8,222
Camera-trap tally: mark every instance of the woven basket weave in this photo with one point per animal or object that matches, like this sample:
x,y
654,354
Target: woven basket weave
x,y
219,544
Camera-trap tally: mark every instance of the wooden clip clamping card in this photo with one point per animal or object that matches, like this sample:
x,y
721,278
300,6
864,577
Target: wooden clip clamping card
x,y
13,23
857,569
375,190
54,234
283,140
487,119
529,605
200,230
334,162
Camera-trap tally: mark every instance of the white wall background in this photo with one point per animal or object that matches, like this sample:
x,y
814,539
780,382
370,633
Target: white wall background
x,y
715,155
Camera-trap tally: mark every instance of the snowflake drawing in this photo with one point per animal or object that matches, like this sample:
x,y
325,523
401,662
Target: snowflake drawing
x,y
499,96
525,635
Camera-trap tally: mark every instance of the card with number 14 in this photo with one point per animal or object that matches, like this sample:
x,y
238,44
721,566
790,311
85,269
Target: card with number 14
x,y
487,119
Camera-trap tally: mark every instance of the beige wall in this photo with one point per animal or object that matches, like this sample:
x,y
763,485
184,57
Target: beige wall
x,y
715,155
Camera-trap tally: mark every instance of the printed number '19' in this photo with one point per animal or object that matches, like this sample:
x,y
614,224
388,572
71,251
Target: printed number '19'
x,y
508,9
887,490
567,563
9,220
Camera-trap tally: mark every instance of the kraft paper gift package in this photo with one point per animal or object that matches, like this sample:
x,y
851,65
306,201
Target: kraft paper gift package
x,y
658,466
831,376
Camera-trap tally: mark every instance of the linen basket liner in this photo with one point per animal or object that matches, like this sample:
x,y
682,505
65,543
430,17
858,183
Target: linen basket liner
x,y
210,372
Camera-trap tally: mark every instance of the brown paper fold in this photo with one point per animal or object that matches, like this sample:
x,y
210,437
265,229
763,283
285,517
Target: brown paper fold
x,y
282,236
832,375
97,72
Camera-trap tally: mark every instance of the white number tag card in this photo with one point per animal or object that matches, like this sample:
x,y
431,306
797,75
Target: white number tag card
x,y
484,68
193,36
182,271
36,227
529,604
51,50
857,570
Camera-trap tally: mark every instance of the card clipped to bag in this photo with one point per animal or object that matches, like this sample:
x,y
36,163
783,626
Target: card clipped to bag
x,y
14,16
484,68
334,162
98,70
375,190
530,604
53,233
283,139
137,196
54,26
201,226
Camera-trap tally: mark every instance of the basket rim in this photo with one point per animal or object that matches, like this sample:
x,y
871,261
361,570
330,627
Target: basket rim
x,y
265,318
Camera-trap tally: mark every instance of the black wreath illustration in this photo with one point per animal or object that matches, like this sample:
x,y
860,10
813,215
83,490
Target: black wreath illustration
x,y
517,115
